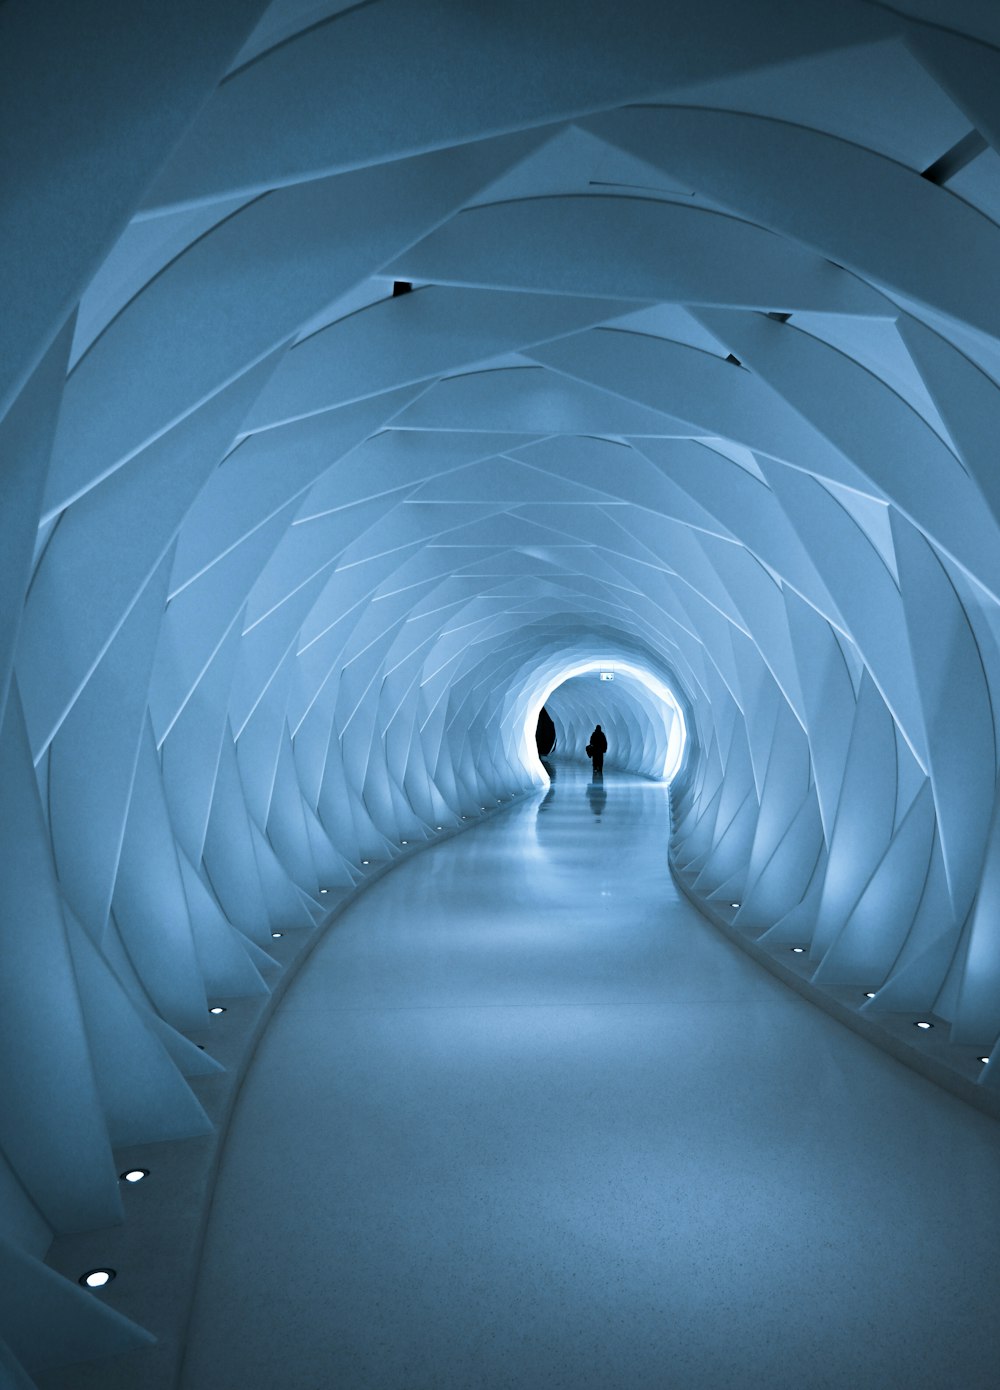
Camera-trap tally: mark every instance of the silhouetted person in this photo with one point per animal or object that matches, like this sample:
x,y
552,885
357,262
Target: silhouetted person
x,y
545,733
596,749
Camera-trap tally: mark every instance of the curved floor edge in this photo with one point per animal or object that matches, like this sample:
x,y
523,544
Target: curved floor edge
x,y
892,1033
159,1247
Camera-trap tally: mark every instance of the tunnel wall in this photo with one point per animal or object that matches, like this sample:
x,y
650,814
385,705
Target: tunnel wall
x,y
699,371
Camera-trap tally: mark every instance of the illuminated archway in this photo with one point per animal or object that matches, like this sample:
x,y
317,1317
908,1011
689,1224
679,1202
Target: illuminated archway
x,y
639,711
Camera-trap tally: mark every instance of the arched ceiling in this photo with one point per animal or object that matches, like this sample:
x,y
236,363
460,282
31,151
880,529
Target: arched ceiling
x,y
364,368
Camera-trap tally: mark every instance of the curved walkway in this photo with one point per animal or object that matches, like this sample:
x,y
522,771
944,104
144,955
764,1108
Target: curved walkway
x,y
526,1120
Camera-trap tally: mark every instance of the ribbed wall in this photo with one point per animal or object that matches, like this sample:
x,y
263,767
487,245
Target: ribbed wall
x,y
699,373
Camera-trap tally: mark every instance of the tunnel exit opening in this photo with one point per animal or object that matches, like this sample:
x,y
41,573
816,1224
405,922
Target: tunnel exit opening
x,y
545,733
642,718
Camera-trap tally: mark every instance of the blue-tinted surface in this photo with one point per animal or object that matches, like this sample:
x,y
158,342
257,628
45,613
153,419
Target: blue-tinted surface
x,y
700,374
527,1120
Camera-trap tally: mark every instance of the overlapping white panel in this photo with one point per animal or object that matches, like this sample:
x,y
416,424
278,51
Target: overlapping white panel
x,y
691,367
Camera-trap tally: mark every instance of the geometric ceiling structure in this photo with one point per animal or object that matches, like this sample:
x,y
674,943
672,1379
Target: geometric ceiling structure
x,y
369,369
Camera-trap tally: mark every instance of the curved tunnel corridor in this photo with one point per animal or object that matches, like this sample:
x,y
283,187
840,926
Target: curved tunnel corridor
x,y
525,1118
373,376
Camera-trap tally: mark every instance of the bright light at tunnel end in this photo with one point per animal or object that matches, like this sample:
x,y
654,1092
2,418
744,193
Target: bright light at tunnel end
x,y
677,738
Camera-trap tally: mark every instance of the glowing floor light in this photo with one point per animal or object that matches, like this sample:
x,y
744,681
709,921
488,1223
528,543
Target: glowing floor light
x,y
798,950
97,1278
134,1174
217,1009
921,1023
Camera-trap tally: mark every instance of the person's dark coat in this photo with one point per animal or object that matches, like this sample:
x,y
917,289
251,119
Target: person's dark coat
x,y
597,747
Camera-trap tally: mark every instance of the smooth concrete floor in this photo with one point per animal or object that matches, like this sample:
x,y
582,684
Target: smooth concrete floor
x,y
526,1119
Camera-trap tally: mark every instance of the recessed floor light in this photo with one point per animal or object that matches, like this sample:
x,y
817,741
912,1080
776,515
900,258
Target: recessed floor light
x,y
404,842
734,904
216,1009
366,861
324,890
869,994
798,950
439,827
276,934
97,1278
922,1023
984,1059
134,1174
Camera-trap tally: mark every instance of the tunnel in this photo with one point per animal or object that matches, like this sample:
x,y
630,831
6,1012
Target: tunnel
x,y
376,377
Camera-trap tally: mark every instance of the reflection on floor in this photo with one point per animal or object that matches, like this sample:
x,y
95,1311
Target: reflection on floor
x,y
527,1120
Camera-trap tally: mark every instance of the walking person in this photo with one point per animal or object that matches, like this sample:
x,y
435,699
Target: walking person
x,y
596,749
